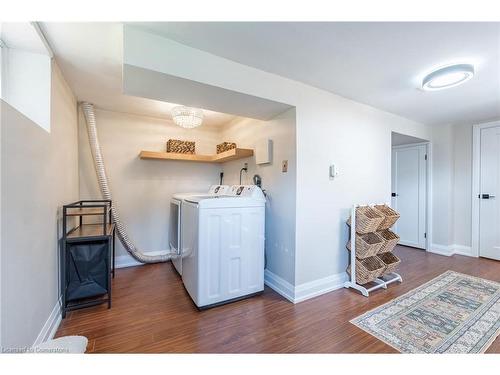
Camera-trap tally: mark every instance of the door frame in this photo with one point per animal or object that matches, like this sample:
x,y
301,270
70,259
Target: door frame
x,y
428,188
476,181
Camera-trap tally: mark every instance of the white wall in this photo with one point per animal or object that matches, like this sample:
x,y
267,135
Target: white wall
x,y
142,188
442,189
39,174
26,81
357,138
280,187
329,129
3,64
452,189
451,166
452,192
462,182
456,141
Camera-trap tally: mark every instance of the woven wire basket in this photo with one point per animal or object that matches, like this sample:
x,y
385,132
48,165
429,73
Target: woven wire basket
x,y
180,147
390,240
367,269
367,245
225,146
391,262
390,216
368,219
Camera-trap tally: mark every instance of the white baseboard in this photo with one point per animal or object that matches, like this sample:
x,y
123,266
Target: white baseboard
x,y
451,250
304,291
50,327
318,287
279,285
463,250
441,250
123,261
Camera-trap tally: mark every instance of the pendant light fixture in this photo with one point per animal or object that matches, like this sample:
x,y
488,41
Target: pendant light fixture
x,y
187,117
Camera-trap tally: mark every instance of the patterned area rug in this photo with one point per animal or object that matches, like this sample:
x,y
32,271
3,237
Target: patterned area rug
x,y
453,313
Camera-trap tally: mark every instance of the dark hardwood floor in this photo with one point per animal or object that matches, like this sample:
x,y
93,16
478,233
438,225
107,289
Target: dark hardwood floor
x,y
152,313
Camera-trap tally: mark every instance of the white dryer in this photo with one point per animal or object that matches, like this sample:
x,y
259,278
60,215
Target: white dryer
x,y
223,245
174,236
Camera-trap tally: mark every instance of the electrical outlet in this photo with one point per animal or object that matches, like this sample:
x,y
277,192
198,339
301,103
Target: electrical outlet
x,y
284,166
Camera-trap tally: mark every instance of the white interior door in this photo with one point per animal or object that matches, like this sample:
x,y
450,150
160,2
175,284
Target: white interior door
x,y
409,193
489,193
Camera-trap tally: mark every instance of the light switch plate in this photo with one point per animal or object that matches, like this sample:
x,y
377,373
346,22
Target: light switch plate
x,y
284,166
333,172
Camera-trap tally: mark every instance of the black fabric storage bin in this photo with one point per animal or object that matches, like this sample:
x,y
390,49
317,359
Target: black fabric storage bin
x,y
88,268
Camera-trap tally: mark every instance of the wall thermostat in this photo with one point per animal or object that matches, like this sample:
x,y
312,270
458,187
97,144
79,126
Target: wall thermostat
x,y
263,151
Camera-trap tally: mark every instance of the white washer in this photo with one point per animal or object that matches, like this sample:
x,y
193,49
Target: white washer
x,y
223,245
175,237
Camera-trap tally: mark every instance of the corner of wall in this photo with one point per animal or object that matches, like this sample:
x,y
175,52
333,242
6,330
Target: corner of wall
x,y
41,177
305,291
51,325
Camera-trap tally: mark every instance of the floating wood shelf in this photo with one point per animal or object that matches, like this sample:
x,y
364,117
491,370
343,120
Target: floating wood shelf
x,y
234,154
90,230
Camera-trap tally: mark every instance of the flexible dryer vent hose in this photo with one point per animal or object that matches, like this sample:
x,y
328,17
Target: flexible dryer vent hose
x,y
88,110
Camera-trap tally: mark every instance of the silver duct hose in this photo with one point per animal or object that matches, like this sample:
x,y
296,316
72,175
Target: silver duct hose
x,y
88,110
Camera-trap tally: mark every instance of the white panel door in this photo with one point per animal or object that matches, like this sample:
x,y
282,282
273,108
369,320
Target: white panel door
x,y
409,193
231,253
489,196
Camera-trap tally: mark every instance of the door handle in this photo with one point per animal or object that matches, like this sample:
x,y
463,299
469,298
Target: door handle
x,y
486,196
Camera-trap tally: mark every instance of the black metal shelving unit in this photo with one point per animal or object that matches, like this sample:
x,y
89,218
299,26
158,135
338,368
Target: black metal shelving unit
x,y
87,255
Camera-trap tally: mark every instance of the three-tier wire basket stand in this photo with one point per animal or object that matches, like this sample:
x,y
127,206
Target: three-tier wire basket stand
x,y
384,270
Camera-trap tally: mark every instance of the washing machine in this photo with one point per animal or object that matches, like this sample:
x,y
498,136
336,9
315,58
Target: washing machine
x,y
223,245
175,219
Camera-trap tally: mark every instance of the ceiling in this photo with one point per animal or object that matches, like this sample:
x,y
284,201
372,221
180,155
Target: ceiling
x,y
379,64
399,139
22,35
90,57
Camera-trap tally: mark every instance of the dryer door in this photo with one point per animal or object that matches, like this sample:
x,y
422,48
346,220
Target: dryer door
x,y
174,235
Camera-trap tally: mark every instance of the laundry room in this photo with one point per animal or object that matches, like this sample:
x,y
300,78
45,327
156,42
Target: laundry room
x,y
143,187
249,187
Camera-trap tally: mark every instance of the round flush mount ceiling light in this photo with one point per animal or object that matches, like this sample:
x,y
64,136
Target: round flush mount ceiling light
x,y
187,117
448,76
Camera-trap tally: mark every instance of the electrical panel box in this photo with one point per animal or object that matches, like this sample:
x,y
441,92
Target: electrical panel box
x,y
263,151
